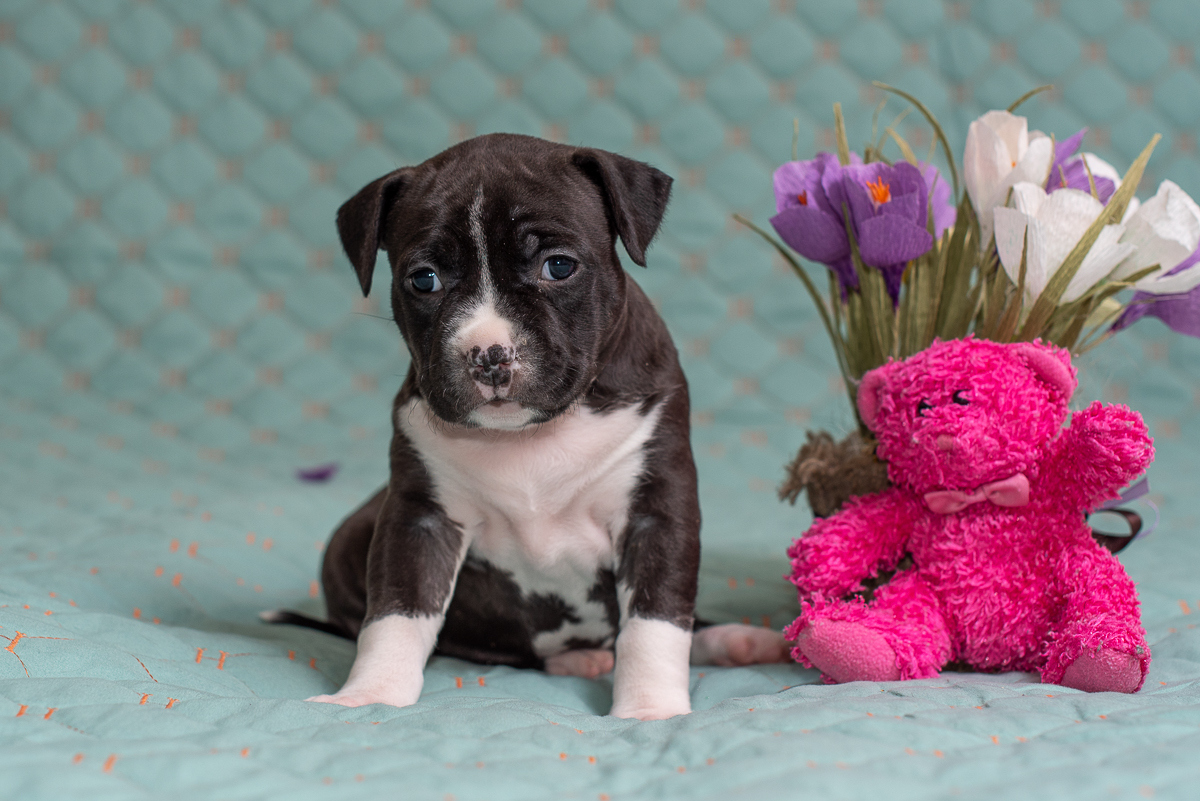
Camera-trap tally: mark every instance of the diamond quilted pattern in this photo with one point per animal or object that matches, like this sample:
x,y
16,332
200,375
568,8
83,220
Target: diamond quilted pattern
x,y
270,407
233,127
372,13
366,345
1093,17
1176,18
185,169
693,133
362,166
187,81
136,209
318,300
224,299
36,296
128,376
180,254
511,117
312,215
418,41
176,340
372,87
556,88
693,45
274,259
509,43
269,339
464,88
139,121
871,49
317,376
233,36
281,84
555,15
648,14
81,341
1097,93
46,119
961,52
221,375
738,92
464,13
647,89
1178,97
326,40
1050,49
282,13
142,36
95,79
601,44
603,124
92,164
14,163
131,296
49,32
914,18
42,207
18,75
1005,19
229,213
10,339
278,172
324,129
827,19
739,16
87,253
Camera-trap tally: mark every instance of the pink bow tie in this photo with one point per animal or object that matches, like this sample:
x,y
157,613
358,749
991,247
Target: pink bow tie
x,y
1011,491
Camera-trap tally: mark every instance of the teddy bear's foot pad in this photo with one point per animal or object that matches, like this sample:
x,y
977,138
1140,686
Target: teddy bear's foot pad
x,y
1105,670
846,651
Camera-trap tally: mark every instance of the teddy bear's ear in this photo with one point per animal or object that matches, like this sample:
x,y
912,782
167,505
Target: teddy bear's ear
x,y
870,393
1047,365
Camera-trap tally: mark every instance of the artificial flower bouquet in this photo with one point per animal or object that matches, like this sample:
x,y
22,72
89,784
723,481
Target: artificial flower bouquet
x,y
1046,243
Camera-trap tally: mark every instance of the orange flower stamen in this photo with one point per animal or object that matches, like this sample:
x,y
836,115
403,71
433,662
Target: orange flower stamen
x,y
803,198
880,192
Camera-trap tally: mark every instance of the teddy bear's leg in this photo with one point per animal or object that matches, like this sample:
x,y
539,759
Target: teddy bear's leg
x,y
899,635
1099,645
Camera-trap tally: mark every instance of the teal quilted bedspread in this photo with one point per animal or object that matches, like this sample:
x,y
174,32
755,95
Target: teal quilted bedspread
x,y
179,334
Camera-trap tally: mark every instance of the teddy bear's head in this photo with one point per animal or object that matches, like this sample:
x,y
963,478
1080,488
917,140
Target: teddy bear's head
x,y
966,412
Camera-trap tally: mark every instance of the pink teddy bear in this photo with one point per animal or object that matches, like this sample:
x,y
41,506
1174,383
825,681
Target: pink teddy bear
x,y
989,502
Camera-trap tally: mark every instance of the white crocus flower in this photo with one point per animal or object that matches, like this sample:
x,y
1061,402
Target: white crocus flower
x,y
1055,223
1165,230
1001,152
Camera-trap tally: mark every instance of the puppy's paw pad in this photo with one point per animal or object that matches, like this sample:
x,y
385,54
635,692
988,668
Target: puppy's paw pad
x,y
584,663
736,645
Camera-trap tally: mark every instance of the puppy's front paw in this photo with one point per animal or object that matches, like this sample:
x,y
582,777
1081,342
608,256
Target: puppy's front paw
x,y
360,698
651,711
736,644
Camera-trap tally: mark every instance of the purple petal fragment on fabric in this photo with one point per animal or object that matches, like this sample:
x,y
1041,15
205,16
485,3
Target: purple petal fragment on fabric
x,y
319,474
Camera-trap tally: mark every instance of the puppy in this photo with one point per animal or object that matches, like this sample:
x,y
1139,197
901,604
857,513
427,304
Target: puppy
x,y
541,509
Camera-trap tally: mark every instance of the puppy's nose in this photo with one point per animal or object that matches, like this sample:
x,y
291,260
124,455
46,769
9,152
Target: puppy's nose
x,y
492,366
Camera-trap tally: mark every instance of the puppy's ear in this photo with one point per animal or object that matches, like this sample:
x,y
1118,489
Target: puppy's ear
x,y
636,195
361,218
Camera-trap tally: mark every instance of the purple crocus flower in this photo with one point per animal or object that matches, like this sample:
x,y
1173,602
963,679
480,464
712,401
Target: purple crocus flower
x,y
1067,171
889,212
1181,312
807,221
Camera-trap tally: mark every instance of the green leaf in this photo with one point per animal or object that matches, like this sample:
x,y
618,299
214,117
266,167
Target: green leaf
x,y
937,128
1016,103
839,129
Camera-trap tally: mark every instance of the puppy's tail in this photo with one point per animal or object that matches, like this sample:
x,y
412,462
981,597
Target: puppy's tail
x,y
290,618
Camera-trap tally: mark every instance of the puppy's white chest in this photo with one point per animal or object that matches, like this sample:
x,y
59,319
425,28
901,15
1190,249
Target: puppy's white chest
x,y
546,504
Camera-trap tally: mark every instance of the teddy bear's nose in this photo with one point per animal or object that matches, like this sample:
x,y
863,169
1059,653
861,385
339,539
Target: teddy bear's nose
x,y
945,442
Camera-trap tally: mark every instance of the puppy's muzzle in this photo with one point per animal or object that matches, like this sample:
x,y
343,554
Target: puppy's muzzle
x,y
492,367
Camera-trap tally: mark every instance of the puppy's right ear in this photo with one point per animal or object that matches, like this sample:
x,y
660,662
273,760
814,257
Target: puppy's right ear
x,y
636,195
361,218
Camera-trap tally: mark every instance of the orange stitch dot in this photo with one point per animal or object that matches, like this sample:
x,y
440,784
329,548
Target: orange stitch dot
x,y
292,655
72,603
145,698
358,777
137,613
870,714
250,538
156,621
327,780
176,579
751,709
995,740
268,543
54,595
810,764
1183,605
199,655
938,754
94,570
21,712
482,683
26,606
241,582
591,759
49,712
909,751
1022,740
458,682
314,589
221,661
312,663
158,571
700,675
174,546
603,797
479,765
1049,695
245,752
710,761
206,516
170,703
562,754
108,763
579,731
258,588
733,584
193,548
841,765
77,759
681,769
1104,717
49,611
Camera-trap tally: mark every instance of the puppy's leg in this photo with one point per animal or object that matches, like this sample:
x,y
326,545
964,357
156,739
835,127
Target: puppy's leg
x,y
735,644
585,663
657,565
411,566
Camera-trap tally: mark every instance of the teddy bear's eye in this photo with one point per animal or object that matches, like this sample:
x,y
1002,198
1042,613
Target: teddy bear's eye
x,y
959,399
922,406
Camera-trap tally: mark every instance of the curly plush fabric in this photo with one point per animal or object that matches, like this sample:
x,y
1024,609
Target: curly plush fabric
x,y
998,587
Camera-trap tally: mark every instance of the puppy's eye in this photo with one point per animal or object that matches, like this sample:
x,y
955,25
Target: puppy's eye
x,y
959,399
922,406
425,281
557,268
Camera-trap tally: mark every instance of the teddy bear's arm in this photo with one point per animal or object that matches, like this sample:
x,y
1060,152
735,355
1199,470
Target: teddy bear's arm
x,y
834,556
1104,449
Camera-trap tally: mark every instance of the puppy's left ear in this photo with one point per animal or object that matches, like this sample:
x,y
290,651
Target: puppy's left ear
x,y
361,218
636,195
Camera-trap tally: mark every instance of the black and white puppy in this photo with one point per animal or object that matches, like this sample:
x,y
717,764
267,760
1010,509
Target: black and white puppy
x,y
541,510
